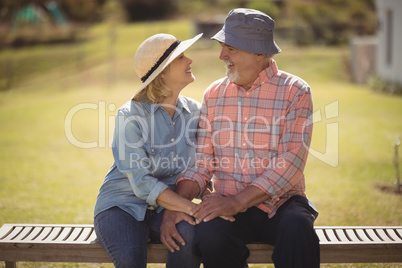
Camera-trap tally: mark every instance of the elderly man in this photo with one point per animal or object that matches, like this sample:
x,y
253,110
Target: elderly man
x,y
253,140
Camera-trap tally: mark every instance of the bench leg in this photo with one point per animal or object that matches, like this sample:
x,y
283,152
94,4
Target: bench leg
x,y
11,264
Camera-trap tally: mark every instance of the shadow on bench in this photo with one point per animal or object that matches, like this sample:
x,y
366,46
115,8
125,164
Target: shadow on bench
x,y
78,243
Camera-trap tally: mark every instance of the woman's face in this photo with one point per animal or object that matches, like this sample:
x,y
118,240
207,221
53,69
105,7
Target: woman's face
x,y
179,74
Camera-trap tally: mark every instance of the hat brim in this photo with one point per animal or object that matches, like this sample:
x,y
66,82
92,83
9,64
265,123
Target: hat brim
x,y
183,46
248,45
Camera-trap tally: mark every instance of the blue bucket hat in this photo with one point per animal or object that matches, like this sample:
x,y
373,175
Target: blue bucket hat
x,y
249,30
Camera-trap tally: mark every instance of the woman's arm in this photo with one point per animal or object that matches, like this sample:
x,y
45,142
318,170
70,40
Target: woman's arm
x,y
172,201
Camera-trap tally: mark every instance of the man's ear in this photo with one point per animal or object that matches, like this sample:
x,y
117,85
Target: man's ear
x,y
260,56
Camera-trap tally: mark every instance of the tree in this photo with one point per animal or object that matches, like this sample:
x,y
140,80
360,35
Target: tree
x,y
332,22
138,10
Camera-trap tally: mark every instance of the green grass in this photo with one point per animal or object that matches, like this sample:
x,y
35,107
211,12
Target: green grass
x,y
47,179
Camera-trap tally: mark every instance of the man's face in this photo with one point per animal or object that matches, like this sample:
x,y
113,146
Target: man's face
x,y
242,68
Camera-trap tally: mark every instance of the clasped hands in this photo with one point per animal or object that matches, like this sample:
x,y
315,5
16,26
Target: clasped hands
x,y
212,206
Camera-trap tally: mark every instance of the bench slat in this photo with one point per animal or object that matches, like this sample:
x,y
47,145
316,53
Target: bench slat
x,y
399,232
352,235
34,233
392,234
384,237
321,235
92,237
331,235
23,233
67,234
5,230
75,233
62,233
53,234
340,233
45,231
85,234
373,235
14,232
362,235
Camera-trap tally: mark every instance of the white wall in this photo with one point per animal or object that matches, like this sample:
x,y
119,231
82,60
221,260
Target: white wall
x,y
389,66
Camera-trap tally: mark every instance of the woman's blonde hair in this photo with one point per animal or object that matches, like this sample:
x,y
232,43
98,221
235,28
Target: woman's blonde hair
x,y
156,92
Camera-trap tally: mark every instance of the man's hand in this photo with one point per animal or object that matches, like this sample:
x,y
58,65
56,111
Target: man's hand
x,y
214,205
169,233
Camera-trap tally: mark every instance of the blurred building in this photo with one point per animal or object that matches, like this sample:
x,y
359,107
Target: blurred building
x,y
389,36
381,54
363,58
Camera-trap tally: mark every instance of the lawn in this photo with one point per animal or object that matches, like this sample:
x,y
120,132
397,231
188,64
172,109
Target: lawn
x,y
57,123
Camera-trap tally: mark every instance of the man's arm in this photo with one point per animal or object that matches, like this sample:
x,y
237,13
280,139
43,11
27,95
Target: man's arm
x,y
292,147
188,189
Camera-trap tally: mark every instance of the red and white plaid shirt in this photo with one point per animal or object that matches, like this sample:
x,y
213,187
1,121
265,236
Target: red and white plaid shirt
x,y
258,137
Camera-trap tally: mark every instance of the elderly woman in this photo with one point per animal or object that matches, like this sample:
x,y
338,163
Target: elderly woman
x,y
154,141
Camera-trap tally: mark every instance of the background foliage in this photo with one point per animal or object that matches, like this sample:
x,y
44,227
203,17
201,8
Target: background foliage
x,y
306,22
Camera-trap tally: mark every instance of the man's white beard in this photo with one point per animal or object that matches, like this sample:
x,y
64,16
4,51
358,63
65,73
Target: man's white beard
x,y
233,76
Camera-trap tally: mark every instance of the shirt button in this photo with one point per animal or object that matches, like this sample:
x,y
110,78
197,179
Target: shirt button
x,y
174,159
172,140
174,123
245,118
244,170
153,150
244,144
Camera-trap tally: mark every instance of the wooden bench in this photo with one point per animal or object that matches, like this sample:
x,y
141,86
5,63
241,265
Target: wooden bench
x,y
78,243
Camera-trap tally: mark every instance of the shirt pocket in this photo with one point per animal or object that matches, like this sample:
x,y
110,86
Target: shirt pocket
x,y
155,158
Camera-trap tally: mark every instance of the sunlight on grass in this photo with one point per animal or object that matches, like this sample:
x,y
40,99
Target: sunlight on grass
x,y
47,178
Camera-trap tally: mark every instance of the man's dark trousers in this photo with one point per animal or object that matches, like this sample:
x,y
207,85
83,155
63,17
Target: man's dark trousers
x,y
222,244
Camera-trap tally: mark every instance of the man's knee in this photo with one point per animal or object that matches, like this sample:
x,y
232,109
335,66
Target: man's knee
x,y
296,216
219,244
295,227
297,244
211,233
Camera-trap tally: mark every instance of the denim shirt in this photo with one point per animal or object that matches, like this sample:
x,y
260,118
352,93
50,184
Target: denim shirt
x,y
150,151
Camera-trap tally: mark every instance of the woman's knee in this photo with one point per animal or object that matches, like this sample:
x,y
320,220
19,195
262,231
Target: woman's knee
x,y
186,231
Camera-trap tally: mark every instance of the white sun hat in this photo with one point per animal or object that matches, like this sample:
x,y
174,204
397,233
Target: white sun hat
x,y
156,53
